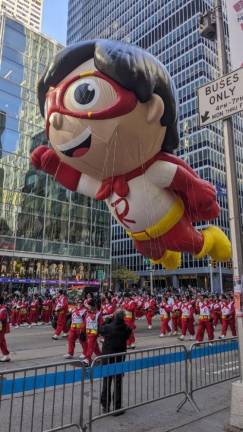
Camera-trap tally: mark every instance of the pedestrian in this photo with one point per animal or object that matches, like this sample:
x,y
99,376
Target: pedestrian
x,y
4,329
115,336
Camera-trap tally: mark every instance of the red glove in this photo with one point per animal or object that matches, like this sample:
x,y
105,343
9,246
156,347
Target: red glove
x,y
199,195
47,160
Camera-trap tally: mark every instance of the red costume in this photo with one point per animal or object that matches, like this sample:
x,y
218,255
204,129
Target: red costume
x,y
14,313
46,311
4,328
228,318
164,311
23,310
176,316
129,307
77,327
93,320
61,310
149,306
205,322
34,311
187,319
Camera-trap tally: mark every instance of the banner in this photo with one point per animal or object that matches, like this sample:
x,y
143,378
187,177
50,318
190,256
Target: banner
x,y
235,21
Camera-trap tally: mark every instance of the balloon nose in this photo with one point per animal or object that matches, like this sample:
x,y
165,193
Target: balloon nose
x,y
56,120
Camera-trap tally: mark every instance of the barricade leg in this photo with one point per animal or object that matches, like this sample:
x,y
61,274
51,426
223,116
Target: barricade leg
x,y
188,383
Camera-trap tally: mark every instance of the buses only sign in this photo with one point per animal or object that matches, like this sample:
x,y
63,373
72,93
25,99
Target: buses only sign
x,y
221,98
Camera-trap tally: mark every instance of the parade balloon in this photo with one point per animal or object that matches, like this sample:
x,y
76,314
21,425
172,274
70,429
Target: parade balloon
x,y
111,116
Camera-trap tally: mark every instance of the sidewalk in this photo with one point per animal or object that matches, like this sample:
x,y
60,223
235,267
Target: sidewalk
x,y
162,416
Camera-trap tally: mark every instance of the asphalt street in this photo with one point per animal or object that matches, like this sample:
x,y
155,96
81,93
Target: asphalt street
x,y
39,410
34,346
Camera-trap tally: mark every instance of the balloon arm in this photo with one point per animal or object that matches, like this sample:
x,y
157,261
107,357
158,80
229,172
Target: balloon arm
x,y
168,157
47,160
199,196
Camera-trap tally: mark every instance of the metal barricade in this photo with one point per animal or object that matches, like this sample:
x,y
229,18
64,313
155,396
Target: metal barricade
x,y
212,362
43,398
128,380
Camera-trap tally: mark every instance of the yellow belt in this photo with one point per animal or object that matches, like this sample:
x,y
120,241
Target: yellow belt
x,y
201,317
91,331
163,226
77,326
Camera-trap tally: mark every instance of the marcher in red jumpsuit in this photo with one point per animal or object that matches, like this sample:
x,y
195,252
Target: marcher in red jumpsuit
x,y
129,307
23,308
93,320
149,306
176,315
205,320
77,330
14,311
46,310
228,317
34,311
4,329
61,310
187,318
108,308
164,311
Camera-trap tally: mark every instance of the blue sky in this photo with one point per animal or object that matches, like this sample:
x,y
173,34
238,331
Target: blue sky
x,y
54,22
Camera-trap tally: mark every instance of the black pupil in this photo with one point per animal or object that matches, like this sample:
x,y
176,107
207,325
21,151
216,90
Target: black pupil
x,y
84,94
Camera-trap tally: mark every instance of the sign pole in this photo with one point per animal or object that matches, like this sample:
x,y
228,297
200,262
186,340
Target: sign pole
x,y
236,414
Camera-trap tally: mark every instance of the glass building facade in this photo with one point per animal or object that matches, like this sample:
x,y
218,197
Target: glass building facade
x,y
169,29
27,11
46,232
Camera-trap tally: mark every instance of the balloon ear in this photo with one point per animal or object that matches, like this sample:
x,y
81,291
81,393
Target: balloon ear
x,y
156,108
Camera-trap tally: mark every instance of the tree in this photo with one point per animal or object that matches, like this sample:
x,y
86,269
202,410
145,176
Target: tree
x,y
122,274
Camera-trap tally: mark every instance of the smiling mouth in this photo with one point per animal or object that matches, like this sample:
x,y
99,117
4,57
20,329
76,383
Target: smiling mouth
x,y
80,149
78,146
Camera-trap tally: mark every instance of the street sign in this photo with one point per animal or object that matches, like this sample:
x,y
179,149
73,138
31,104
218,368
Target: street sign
x,y
221,98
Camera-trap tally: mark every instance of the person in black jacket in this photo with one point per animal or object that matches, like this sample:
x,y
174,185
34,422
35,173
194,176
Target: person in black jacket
x,y
116,333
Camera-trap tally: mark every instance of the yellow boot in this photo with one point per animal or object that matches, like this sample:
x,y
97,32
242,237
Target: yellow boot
x,y
170,260
216,244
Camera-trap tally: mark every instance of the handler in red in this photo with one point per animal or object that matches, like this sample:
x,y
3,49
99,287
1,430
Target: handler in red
x,y
93,320
4,328
149,306
34,309
61,310
129,307
77,330
205,320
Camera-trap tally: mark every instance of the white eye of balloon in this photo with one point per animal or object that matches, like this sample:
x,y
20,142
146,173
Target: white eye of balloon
x,y
82,95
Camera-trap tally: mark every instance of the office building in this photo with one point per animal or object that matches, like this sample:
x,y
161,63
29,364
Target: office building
x,y
169,29
29,12
46,232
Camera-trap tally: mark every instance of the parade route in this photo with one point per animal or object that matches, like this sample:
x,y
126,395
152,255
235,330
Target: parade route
x,y
34,346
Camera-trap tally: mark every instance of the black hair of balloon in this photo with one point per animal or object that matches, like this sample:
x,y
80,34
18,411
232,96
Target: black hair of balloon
x,y
130,66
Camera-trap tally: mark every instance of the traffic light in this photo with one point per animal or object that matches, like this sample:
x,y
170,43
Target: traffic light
x,y
208,28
